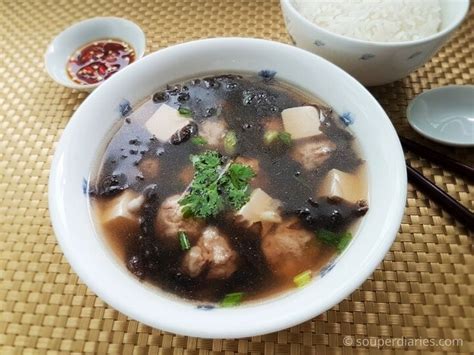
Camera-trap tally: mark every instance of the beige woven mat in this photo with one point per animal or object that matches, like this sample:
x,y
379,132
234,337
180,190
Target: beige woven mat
x,y
423,289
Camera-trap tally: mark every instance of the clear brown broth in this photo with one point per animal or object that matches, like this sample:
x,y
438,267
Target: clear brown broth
x,y
283,178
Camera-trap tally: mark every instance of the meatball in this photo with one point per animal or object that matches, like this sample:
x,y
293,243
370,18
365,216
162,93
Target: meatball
x,y
213,132
289,249
212,253
194,261
169,221
314,153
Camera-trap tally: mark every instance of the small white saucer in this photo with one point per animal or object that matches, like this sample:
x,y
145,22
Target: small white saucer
x,y
444,115
81,33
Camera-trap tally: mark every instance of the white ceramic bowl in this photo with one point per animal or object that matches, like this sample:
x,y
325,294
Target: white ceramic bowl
x,y
83,140
82,33
444,115
373,63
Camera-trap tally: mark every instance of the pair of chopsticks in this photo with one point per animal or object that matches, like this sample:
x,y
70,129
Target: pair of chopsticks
x,y
456,209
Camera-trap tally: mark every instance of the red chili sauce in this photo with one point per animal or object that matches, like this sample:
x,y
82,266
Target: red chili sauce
x,y
98,60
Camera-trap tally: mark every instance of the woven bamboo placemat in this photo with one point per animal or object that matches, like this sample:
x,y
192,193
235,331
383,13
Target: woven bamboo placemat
x,y
422,290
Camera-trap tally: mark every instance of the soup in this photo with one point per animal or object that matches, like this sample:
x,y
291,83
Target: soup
x,y
229,188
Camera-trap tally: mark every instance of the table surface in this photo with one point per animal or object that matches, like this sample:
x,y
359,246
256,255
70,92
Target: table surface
x,y
422,289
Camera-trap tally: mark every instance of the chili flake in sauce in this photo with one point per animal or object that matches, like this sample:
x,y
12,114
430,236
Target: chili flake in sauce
x,y
98,60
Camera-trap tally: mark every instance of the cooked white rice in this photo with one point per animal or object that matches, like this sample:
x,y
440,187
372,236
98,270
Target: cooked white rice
x,y
374,20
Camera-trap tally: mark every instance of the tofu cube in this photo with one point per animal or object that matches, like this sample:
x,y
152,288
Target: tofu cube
x,y
165,122
261,207
338,185
301,122
121,213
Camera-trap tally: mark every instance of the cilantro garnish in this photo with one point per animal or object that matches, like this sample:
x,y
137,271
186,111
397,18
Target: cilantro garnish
x,y
215,186
235,183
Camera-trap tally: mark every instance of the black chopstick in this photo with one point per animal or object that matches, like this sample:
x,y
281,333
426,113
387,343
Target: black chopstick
x,y
461,213
447,162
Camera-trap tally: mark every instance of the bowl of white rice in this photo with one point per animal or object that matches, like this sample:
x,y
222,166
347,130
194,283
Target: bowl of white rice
x,y
376,41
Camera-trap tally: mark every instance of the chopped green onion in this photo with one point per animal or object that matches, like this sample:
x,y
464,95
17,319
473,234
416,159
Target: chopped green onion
x,y
184,111
339,241
183,240
230,142
328,237
344,241
198,140
232,299
303,278
285,137
270,136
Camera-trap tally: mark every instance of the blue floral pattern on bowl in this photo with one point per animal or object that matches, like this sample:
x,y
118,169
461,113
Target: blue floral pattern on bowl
x,y
319,43
85,186
327,268
347,118
267,74
125,108
206,307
